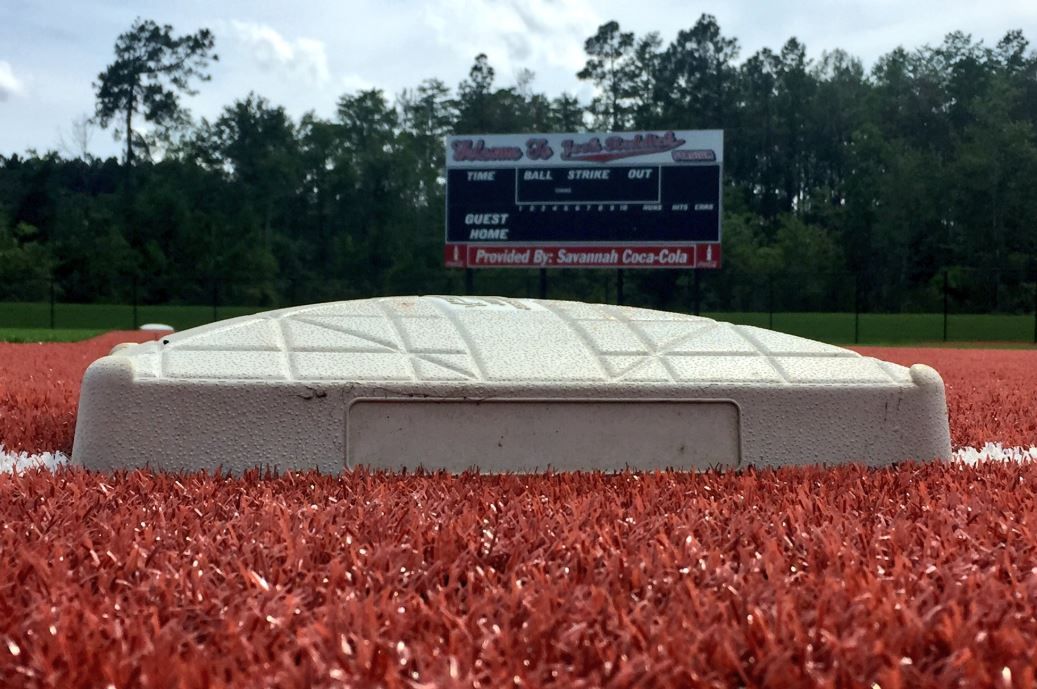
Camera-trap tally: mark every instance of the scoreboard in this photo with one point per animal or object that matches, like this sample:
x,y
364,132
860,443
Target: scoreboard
x,y
624,200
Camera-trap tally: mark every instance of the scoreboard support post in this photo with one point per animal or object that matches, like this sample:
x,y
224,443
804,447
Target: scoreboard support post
x,y
469,281
543,283
696,290
619,286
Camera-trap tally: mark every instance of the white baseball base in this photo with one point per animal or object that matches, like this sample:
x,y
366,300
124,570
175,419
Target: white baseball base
x,y
502,385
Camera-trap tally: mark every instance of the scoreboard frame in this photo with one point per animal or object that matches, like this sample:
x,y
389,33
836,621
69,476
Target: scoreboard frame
x,y
540,220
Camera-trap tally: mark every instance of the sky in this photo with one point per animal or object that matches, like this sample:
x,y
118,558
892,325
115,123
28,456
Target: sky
x,y
305,54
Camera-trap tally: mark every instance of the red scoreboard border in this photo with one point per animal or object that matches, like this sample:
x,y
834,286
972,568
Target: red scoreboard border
x,y
679,255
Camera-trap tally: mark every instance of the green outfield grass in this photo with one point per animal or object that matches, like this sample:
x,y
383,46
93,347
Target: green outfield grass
x,y
29,322
112,316
46,334
892,328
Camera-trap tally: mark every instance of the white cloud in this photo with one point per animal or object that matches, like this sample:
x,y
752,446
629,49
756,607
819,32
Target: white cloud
x,y
300,58
10,85
516,33
355,82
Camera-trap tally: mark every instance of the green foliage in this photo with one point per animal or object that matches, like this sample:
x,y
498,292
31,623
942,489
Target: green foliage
x,y
612,68
25,263
698,77
151,68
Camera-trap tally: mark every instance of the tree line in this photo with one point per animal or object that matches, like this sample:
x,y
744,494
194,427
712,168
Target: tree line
x,y
897,178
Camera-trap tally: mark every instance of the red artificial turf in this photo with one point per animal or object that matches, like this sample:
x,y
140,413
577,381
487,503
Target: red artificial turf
x,y
39,389
910,576
919,576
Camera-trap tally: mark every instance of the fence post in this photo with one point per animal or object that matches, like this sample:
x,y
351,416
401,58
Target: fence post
x,y
770,302
543,283
52,303
945,286
136,320
856,308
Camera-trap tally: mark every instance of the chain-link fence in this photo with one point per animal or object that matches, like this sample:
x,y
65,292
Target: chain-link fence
x,y
955,305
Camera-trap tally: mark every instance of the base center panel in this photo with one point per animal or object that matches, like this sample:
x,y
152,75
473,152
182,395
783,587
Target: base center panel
x,y
533,435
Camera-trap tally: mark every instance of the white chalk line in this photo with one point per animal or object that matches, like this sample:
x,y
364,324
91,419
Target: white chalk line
x,y
11,462
994,452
